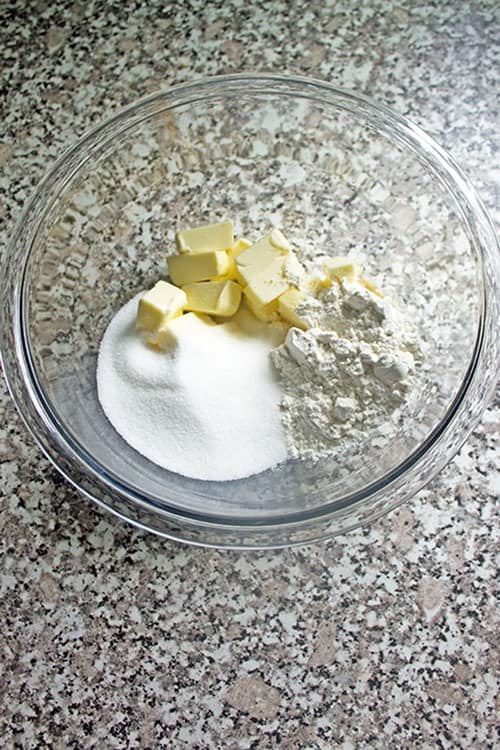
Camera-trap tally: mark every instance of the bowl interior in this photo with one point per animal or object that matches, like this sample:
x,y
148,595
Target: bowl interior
x,y
335,181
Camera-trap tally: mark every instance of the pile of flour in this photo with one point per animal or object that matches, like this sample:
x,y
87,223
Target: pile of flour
x,y
348,372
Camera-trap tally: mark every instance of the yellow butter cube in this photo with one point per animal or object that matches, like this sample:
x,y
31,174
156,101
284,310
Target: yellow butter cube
x,y
370,286
293,270
171,331
239,246
287,308
162,302
278,240
213,297
268,285
229,299
205,238
263,312
316,281
186,269
340,267
269,251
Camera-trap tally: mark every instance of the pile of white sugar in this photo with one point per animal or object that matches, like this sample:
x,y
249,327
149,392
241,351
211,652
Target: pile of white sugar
x,y
208,409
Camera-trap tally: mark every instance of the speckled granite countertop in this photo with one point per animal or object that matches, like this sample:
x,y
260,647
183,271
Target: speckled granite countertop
x,y
385,638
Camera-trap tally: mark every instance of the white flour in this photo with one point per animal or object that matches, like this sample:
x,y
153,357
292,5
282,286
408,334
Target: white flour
x,y
346,373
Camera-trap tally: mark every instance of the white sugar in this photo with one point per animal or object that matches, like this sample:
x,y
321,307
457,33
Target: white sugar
x,y
207,410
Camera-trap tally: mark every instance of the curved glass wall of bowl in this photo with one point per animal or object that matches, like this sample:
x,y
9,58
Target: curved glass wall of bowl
x,y
337,177
333,186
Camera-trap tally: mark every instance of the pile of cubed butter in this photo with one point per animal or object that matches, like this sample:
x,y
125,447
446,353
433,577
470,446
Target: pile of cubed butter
x,y
212,272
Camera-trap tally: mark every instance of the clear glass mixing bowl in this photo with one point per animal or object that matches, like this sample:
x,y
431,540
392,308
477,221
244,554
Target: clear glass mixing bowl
x,y
339,174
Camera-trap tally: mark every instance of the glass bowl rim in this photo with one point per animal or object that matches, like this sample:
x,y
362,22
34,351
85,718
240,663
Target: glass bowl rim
x,y
20,371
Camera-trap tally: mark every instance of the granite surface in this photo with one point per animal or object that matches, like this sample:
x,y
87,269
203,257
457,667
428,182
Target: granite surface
x,y
385,638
